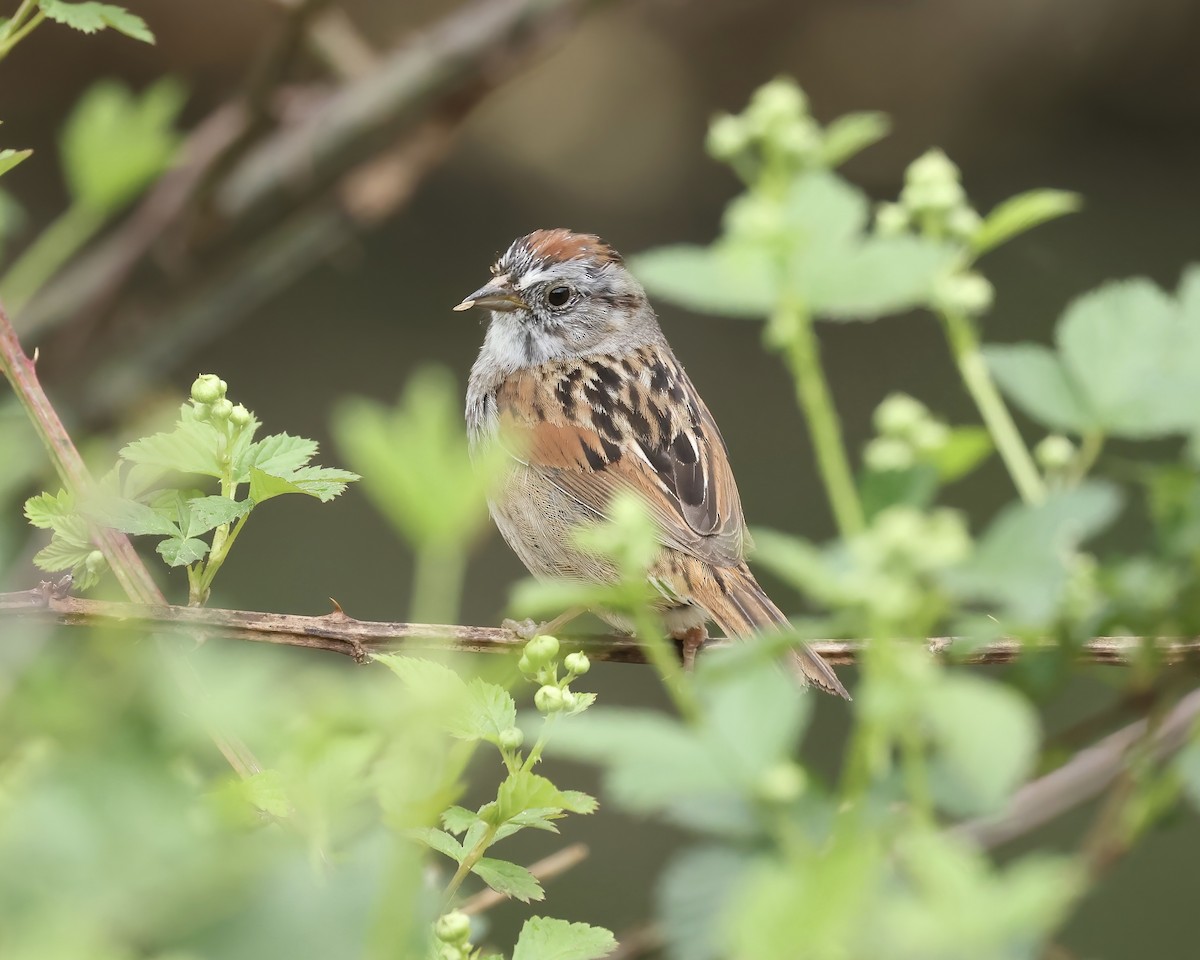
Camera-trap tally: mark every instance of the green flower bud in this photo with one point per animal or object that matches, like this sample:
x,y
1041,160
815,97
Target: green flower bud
x,y
451,951
776,105
942,197
888,453
577,663
221,410
801,140
525,665
783,783
453,927
240,416
899,415
727,137
94,562
963,222
512,738
891,219
548,699
203,411
932,167
930,436
208,388
541,650
1055,452
969,293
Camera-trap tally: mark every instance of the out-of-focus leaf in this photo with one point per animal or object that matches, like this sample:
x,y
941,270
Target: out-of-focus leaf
x,y
692,894
90,16
10,158
1033,376
728,279
852,133
1020,214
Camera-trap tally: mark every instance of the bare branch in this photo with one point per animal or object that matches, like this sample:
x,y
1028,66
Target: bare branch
x,y
339,633
1086,775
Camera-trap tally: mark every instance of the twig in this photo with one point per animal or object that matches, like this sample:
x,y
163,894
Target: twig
x,y
637,943
339,633
131,573
545,869
1086,775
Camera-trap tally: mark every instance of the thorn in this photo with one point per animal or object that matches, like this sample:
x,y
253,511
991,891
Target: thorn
x,y
337,613
37,352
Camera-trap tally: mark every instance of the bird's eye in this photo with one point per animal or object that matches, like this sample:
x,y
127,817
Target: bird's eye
x,y
558,296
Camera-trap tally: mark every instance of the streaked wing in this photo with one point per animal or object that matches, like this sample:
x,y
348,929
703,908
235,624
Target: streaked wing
x,y
598,425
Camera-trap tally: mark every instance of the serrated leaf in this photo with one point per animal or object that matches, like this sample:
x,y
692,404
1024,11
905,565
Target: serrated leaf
x,y
851,134
130,516
458,819
61,554
536,818
192,447
115,142
179,552
543,938
522,790
279,455
986,738
489,710
727,279
208,513
1020,214
321,482
436,691
1034,378
91,16
10,158
510,879
440,841
265,791
46,509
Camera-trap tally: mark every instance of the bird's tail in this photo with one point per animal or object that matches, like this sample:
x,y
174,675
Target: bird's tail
x,y
741,607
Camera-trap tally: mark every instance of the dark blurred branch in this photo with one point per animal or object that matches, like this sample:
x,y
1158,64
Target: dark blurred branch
x,y
358,639
385,118
1086,775
131,573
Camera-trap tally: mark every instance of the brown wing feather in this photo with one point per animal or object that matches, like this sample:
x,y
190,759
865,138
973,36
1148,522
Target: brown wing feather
x,y
599,425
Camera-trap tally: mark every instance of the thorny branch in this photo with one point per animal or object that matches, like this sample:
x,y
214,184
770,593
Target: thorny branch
x,y
338,632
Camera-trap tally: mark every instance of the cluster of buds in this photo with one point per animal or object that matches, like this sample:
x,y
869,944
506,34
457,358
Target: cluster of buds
x,y
908,434
934,203
210,404
539,663
453,934
775,128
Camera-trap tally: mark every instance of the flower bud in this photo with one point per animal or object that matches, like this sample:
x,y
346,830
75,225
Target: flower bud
x,y
541,650
525,665
203,411
208,388
776,105
969,293
221,410
899,415
577,663
941,197
548,699
512,738
94,562
963,222
783,783
930,436
727,137
1055,452
888,453
932,167
891,219
453,927
239,416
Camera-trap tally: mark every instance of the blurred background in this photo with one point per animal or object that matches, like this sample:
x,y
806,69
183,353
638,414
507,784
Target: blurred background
x,y
325,258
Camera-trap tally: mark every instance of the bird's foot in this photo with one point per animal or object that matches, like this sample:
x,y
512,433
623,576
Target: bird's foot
x,y
528,628
690,642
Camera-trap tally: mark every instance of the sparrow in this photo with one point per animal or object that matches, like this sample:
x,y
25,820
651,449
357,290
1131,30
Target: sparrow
x,y
576,378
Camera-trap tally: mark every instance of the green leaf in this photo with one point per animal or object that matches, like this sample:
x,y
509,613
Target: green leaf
x,y
489,711
130,516
510,879
278,455
965,449
91,16
47,509
114,143
545,939
729,279
438,840
880,489
987,740
192,447
851,134
458,819
1035,379
692,895
62,553
1020,214
179,552
1021,561
10,158
208,513
523,790
265,792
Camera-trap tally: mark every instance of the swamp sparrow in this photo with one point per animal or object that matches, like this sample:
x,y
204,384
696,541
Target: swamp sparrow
x,y
575,366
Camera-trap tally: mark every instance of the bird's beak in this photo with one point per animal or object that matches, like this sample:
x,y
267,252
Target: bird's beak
x,y
495,295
